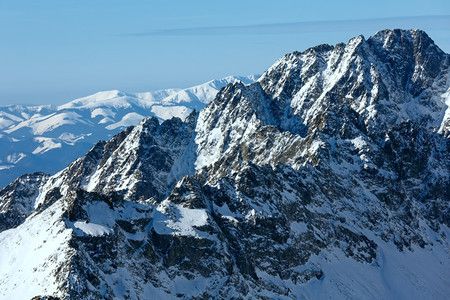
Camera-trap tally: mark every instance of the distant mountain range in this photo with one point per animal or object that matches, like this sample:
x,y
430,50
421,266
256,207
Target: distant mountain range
x,y
47,138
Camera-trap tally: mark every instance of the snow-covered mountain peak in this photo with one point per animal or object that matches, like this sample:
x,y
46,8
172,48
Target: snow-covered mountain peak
x,y
356,41
398,38
106,98
372,73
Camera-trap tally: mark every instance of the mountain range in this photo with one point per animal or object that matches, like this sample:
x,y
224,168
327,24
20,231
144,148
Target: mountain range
x,y
48,138
327,177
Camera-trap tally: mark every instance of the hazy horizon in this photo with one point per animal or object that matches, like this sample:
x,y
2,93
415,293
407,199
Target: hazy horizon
x,y
54,52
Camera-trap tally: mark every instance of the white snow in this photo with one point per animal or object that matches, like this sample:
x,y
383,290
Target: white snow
x,y
12,117
359,143
92,229
5,123
114,98
30,254
15,158
105,112
445,123
70,138
209,154
168,112
178,220
129,119
299,227
225,212
100,213
40,125
46,144
421,274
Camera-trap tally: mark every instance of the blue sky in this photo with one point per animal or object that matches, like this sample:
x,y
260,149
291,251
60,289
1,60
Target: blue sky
x,y
52,52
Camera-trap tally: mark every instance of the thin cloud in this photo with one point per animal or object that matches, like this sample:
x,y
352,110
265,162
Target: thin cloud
x,y
441,22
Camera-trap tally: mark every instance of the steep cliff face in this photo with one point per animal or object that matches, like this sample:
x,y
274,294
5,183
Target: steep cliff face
x,y
328,176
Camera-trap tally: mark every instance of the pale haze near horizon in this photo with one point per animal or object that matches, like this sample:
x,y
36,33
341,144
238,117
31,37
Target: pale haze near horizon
x,y
52,52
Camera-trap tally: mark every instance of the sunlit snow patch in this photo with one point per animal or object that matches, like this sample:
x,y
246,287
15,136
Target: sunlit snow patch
x,y
15,158
179,220
130,119
167,112
46,144
92,229
70,138
225,212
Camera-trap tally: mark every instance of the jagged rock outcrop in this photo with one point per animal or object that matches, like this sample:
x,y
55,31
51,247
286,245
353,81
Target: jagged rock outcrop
x,y
17,199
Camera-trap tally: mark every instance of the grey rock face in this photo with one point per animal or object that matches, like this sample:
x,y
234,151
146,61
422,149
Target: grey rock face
x,y
17,199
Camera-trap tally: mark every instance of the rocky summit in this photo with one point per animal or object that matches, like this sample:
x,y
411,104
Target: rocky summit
x,y
328,177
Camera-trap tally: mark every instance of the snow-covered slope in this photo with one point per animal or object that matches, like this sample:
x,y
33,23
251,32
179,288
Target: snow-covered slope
x,y
328,177
47,138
